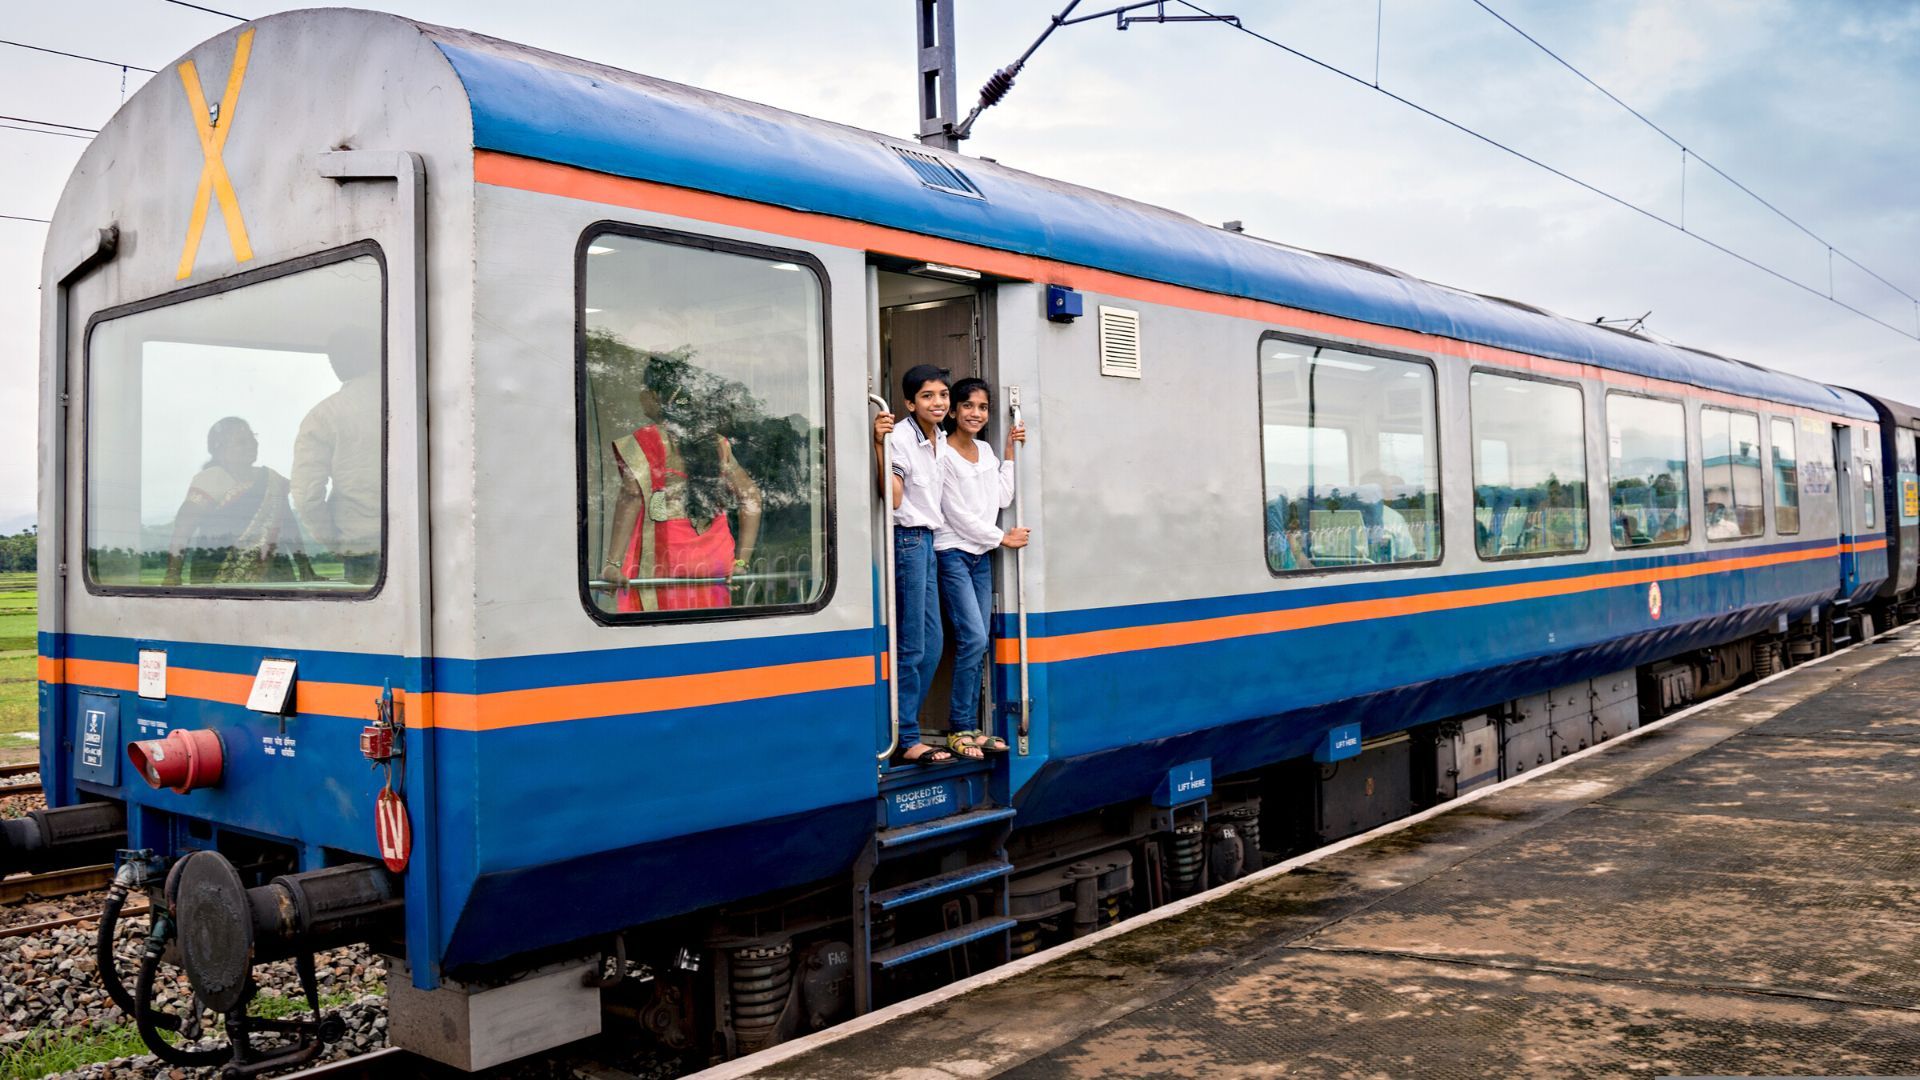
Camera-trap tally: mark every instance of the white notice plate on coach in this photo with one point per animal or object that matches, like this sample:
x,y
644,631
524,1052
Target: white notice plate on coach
x,y
271,686
153,674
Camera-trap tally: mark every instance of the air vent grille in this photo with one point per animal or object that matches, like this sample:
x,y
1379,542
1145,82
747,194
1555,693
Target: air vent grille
x,y
1119,342
937,174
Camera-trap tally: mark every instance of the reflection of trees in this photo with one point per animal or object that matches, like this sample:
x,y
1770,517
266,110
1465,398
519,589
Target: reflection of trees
x,y
696,405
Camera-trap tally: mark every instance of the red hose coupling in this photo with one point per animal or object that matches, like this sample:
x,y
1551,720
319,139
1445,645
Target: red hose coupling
x,y
183,761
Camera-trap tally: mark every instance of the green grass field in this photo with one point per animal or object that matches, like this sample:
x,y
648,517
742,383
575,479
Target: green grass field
x,y
19,678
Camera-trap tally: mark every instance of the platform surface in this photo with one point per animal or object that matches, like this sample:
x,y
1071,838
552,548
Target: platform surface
x,y
1736,893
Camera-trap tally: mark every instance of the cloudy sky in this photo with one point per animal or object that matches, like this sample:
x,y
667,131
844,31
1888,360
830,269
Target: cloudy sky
x,y
1815,106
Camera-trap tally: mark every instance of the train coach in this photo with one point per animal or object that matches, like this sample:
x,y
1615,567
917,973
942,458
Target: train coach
x,y
456,462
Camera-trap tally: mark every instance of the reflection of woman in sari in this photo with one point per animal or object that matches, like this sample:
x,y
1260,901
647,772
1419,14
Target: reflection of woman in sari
x,y
670,520
236,525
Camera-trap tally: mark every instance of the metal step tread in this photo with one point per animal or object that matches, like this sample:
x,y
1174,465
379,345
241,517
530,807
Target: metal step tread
x,y
951,881
972,819
898,777
942,941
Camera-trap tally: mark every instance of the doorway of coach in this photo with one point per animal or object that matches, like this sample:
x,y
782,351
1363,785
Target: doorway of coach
x,y
939,316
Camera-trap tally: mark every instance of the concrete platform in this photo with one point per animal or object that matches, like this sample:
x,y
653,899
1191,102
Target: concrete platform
x,y
1733,891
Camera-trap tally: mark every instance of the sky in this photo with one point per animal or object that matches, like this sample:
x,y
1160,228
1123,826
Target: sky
x,y
1814,106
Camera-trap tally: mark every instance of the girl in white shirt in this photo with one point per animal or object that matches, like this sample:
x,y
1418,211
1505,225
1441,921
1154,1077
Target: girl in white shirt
x,y
974,487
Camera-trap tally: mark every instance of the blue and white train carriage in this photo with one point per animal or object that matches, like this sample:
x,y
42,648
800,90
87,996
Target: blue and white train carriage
x,y
456,460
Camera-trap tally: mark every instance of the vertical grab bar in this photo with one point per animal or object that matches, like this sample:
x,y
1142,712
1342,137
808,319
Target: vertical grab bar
x,y
886,588
1020,577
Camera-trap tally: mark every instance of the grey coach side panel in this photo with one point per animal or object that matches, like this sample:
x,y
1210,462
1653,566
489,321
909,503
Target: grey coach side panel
x,y
313,82
526,520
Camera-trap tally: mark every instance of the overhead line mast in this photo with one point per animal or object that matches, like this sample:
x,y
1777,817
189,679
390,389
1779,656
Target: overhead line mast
x,y
939,99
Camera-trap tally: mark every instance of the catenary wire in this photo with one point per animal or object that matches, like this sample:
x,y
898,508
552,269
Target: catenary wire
x,y
208,10
44,131
1688,151
78,56
1651,215
51,124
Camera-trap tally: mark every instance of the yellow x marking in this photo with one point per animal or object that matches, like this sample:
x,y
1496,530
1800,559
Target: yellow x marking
x,y
214,182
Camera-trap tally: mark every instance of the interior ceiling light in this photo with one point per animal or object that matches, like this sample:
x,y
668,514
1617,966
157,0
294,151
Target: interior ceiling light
x,y
948,273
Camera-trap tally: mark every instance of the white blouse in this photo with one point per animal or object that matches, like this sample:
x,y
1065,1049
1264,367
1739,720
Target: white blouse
x,y
972,494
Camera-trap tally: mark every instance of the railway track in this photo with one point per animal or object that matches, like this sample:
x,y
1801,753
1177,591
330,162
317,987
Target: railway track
x,y
55,883
30,929
10,786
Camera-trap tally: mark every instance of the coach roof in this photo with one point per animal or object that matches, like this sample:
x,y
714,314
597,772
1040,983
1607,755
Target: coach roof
x,y
553,108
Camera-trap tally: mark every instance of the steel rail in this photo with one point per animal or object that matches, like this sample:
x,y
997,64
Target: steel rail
x,y
373,1065
30,929
55,883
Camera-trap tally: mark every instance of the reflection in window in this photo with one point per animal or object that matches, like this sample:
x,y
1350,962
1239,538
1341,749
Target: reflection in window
x,y
1786,479
1869,494
1730,456
1646,470
1348,451
234,440
703,429
1529,467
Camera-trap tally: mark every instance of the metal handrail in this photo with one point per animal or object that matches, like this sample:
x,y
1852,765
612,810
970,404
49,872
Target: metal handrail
x,y
1020,577
651,582
886,586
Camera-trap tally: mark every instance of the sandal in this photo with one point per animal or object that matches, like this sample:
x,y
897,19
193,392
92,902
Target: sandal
x,y
977,740
992,744
933,755
962,743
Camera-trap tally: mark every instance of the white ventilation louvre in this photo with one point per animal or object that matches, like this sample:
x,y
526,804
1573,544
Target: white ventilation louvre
x,y
1119,342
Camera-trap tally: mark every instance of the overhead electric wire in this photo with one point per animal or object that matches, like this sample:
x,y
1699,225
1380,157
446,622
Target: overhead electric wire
x,y
208,10
78,56
50,124
1689,151
18,217
1621,201
44,131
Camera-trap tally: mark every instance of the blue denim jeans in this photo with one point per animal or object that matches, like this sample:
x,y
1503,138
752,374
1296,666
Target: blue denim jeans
x,y
966,591
916,591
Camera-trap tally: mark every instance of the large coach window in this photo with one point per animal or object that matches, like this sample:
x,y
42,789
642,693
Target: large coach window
x,y
703,404
1349,457
1786,479
1730,452
235,443
1646,471
1529,467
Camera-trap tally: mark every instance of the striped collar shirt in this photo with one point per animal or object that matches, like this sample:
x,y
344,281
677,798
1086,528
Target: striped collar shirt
x,y
915,460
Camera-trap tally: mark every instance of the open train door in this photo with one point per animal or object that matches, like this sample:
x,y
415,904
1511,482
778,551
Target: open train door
x,y
1846,481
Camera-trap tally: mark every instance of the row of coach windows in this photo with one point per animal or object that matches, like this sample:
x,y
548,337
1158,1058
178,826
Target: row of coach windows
x,y
1351,466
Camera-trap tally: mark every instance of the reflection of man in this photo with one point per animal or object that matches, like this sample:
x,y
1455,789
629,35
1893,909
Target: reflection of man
x,y
1400,544
1721,525
336,459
